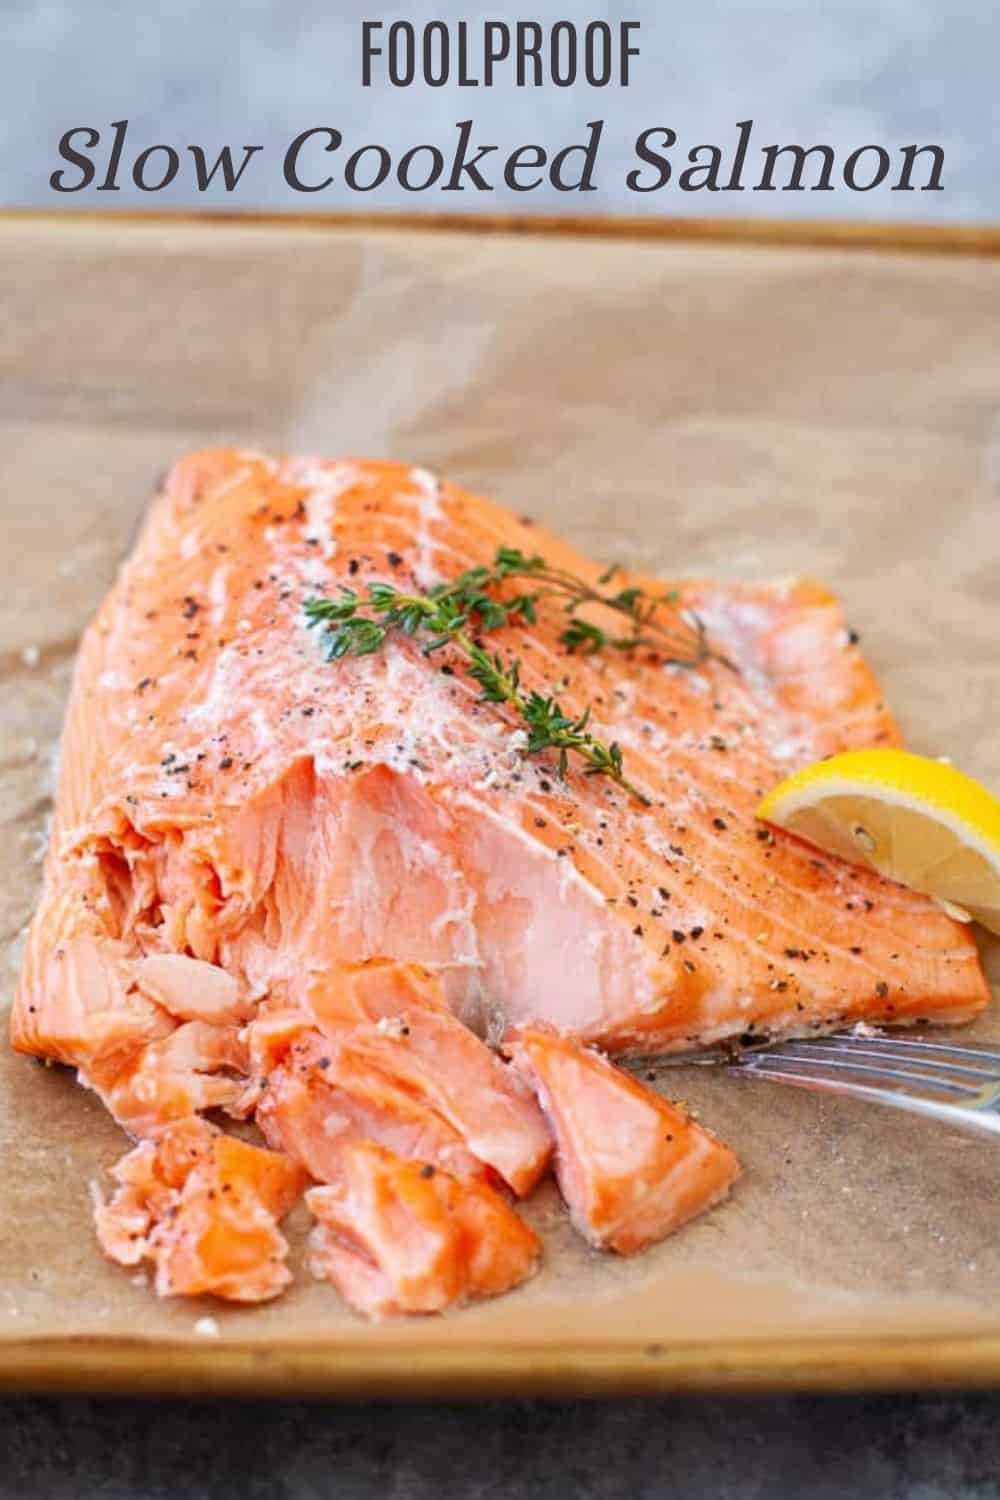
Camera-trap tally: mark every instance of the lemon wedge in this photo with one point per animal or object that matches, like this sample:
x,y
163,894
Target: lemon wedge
x,y
915,820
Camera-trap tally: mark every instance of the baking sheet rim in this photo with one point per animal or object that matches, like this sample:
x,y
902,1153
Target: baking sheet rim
x,y
145,1367
845,234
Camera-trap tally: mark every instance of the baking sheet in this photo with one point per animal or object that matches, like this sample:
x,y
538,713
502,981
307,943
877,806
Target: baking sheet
x,y
746,412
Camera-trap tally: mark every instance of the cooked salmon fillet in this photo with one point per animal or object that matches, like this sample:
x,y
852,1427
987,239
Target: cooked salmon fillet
x,y
402,1236
317,892
230,796
204,1208
630,1165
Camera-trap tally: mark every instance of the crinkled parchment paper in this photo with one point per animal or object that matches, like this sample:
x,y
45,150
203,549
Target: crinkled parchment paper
x,y
746,412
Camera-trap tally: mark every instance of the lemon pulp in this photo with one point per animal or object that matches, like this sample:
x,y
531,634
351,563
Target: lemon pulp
x,y
913,819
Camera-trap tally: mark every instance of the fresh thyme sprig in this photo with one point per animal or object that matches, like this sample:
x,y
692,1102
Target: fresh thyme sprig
x,y
348,633
547,725
681,637
453,614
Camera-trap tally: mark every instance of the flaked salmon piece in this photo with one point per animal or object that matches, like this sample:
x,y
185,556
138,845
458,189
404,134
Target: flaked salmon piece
x,y
268,1043
196,1067
393,1019
631,1166
204,1208
440,1061
343,994
321,1100
190,989
391,1029
334,1001
109,1015
228,795
400,1236
80,1004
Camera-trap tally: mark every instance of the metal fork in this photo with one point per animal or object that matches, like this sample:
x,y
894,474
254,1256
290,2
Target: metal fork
x,y
959,1086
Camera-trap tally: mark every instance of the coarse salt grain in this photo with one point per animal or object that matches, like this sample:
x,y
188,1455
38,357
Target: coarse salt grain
x,y
207,1328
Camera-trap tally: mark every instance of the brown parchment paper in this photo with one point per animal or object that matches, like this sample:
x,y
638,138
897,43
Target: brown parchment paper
x,y
749,412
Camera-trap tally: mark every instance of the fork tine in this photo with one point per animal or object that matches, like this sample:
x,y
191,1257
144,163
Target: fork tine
x,y
949,1113
785,1062
907,1046
913,1057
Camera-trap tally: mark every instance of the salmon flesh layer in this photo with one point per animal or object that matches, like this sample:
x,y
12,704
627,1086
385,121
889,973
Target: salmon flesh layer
x,y
230,796
294,888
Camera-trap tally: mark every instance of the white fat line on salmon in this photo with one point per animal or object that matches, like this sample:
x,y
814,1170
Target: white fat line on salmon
x,y
407,676
326,485
429,511
232,483
263,727
233,674
310,572
252,456
429,485
460,961
192,544
217,595
737,625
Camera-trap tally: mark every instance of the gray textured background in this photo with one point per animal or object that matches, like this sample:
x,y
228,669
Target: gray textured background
x,y
846,72
741,1449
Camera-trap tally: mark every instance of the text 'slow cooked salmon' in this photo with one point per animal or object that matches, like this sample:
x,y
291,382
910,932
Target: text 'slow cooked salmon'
x,y
361,771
